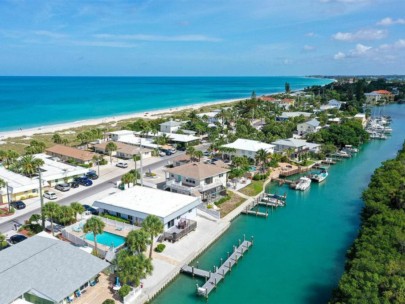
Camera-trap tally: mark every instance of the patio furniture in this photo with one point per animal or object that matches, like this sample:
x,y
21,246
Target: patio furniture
x,y
119,228
77,229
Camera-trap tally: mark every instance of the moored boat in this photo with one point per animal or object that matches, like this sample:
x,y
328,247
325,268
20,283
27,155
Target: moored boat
x,y
320,177
303,183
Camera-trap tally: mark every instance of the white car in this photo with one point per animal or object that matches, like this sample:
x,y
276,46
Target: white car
x,y
122,165
50,195
161,153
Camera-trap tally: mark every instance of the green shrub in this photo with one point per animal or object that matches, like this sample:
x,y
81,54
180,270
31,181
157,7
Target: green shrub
x,y
115,218
12,210
124,291
160,247
109,301
223,200
258,177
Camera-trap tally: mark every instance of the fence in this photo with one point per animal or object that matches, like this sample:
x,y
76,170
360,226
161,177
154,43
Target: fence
x,y
133,294
214,213
180,232
116,224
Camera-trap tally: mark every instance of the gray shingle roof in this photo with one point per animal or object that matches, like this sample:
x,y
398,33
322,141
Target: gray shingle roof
x,y
49,266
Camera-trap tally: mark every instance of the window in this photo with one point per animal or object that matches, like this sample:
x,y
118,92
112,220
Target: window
x,y
170,224
189,211
221,175
130,217
118,214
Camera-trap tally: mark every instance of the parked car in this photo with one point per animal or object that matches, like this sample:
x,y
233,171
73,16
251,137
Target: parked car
x,y
91,175
50,195
84,181
91,209
168,152
16,238
62,187
161,153
122,165
74,184
18,205
207,153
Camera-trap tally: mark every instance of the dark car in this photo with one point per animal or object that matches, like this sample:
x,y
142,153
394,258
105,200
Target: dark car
x,y
62,187
84,181
18,205
92,210
14,239
74,184
91,175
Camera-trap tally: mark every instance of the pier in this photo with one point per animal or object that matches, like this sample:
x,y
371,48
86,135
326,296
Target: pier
x,y
219,273
267,200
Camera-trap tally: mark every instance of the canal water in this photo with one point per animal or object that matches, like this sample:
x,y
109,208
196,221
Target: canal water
x,y
299,250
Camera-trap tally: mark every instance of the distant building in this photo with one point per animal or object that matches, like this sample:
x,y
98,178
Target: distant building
x,y
248,148
332,104
308,127
43,269
171,126
362,118
198,179
136,203
288,115
19,186
66,153
378,95
297,147
211,117
124,151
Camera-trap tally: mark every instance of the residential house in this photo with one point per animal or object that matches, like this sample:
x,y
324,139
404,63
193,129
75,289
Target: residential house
x,y
124,151
375,96
296,147
288,115
211,117
198,179
19,186
43,269
66,153
308,127
332,104
248,148
171,126
136,203
362,118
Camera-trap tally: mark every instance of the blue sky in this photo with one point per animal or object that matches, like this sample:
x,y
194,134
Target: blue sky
x,y
202,37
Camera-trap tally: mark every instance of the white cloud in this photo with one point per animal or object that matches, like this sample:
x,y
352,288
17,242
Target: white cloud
x,y
309,48
160,38
345,1
399,44
389,21
360,49
111,44
339,56
360,35
50,34
311,34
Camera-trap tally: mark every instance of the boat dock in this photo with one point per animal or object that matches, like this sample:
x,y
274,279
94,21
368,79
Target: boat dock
x,y
219,273
267,200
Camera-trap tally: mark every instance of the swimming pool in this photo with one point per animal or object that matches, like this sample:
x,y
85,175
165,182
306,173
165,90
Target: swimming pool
x,y
106,239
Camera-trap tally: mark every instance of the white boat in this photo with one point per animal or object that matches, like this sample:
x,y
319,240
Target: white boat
x,y
303,183
351,149
321,176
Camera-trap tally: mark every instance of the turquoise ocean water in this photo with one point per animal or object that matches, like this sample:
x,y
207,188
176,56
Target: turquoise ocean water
x,y
299,251
27,102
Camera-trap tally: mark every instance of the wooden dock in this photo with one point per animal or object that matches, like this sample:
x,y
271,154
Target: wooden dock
x,y
219,273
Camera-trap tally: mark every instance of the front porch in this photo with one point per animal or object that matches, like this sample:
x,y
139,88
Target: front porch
x,y
175,233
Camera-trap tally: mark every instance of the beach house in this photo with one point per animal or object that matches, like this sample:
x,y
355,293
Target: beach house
x,y
124,151
295,147
171,126
17,186
136,203
67,154
247,147
210,117
332,104
288,115
308,127
45,270
198,179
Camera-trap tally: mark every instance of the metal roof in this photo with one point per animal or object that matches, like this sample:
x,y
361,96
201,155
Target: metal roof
x,y
47,266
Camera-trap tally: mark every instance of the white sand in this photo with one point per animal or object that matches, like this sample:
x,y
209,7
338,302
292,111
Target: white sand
x,y
96,121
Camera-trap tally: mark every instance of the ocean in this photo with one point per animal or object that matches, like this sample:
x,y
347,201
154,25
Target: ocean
x,y
299,250
28,102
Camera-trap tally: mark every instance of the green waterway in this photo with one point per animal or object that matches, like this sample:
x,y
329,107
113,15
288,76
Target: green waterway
x,y
299,251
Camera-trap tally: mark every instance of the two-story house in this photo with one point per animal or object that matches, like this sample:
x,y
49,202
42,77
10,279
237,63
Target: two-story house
x,y
198,179
308,127
171,126
295,147
248,148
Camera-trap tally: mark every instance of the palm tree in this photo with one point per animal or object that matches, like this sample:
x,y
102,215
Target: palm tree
x,y
77,207
3,242
82,137
52,211
191,151
137,241
261,157
10,157
198,154
65,141
96,226
67,215
56,138
153,226
132,268
128,178
109,148
29,165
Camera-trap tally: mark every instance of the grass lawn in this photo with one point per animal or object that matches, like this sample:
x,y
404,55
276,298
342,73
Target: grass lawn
x,y
254,188
233,202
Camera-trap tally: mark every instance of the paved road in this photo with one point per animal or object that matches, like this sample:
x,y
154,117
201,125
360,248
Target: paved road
x,y
7,226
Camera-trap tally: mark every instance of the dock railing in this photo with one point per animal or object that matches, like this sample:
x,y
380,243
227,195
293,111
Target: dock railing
x,y
177,235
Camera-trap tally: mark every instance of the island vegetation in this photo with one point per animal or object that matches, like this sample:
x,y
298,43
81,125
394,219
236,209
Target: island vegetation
x,y
375,267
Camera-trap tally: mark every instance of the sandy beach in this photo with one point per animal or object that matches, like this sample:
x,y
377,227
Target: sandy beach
x,y
111,119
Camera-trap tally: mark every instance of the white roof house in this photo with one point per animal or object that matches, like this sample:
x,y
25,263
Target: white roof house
x,y
288,115
174,137
138,202
171,126
17,182
295,144
116,135
247,147
45,268
136,141
307,127
53,170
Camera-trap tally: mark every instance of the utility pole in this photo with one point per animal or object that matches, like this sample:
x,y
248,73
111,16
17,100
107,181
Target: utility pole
x,y
42,199
140,151
9,196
